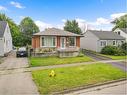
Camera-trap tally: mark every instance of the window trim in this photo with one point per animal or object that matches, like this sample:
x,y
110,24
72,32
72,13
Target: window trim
x,y
103,41
52,41
74,42
115,42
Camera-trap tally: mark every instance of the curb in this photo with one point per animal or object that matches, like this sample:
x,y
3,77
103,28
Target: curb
x,y
87,86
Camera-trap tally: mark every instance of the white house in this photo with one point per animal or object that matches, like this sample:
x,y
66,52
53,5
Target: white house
x,y
122,32
5,38
96,40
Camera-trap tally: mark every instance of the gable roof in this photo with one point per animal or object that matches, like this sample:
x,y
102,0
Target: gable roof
x,y
106,35
3,25
124,30
55,32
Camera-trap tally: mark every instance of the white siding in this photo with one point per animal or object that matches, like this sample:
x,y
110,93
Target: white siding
x,y
109,43
123,34
92,42
7,40
89,41
1,47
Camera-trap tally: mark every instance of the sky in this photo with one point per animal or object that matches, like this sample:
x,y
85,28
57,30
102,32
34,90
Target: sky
x,y
90,14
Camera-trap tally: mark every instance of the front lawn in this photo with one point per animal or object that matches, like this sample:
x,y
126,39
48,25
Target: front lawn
x,y
116,57
44,61
71,77
112,56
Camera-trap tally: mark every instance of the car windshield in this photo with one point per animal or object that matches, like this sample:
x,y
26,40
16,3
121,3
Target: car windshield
x,y
22,49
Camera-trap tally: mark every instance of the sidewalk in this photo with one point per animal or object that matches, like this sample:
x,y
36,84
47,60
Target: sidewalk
x,y
74,64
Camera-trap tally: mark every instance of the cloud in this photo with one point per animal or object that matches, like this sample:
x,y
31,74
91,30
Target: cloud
x,y
64,20
82,24
117,15
17,5
2,8
100,23
21,17
42,25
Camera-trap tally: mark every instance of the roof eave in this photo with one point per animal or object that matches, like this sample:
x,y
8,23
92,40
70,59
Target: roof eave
x,y
60,35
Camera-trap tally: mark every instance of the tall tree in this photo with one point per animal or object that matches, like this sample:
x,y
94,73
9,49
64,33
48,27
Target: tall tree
x,y
15,32
120,22
28,28
72,26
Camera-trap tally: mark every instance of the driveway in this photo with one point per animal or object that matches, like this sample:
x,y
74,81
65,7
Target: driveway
x,y
121,65
14,80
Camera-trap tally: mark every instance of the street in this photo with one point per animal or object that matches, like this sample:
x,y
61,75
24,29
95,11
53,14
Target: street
x,y
118,88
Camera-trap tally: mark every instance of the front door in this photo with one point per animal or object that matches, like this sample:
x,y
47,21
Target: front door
x,y
63,42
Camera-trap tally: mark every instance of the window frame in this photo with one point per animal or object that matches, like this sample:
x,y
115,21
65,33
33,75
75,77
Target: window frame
x,y
103,44
44,41
115,42
74,41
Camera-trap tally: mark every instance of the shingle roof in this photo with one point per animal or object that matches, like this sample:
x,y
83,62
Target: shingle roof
x,y
107,35
56,32
124,30
3,25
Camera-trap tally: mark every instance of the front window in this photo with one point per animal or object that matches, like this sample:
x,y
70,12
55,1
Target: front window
x,y
103,43
114,43
72,41
122,42
48,41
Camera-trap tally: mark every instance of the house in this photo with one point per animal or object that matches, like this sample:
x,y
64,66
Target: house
x,y
96,40
122,32
53,40
5,38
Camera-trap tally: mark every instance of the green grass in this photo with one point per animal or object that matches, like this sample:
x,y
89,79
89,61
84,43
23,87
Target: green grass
x,y
110,56
116,57
71,77
44,61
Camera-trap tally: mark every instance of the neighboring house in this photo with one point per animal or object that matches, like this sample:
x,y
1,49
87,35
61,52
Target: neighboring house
x,y
55,40
96,40
5,38
122,32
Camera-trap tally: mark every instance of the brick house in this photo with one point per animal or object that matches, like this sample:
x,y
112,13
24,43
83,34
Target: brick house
x,y
56,41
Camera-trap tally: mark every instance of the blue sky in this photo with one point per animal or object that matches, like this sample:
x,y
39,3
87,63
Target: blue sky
x,y
53,13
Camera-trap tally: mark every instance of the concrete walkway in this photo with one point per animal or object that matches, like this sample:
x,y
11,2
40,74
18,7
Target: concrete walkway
x,y
70,65
118,88
13,79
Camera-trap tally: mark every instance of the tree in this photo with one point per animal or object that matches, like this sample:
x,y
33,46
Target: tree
x,y
72,26
15,32
120,22
28,28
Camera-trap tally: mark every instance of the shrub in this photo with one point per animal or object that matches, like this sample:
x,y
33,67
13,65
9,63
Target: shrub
x,y
81,55
124,46
112,50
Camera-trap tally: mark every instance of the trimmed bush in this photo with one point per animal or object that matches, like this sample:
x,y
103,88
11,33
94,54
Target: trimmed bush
x,y
124,46
81,55
112,50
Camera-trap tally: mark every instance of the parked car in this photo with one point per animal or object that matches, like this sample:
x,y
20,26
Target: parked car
x,y
21,52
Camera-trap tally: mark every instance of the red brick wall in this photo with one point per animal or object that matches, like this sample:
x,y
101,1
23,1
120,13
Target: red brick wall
x,y
58,41
36,42
78,41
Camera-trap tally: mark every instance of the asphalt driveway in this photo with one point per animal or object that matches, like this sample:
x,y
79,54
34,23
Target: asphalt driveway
x,y
14,82
121,65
